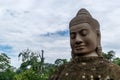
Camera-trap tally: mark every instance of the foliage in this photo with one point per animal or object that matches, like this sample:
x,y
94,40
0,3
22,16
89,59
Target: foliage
x,y
31,68
31,59
37,67
32,64
116,61
4,62
6,71
8,74
109,55
28,75
59,62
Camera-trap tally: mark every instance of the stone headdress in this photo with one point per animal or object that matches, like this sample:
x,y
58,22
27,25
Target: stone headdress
x,y
83,16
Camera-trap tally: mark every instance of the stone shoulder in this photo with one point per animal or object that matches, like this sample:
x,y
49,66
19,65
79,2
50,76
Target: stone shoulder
x,y
96,67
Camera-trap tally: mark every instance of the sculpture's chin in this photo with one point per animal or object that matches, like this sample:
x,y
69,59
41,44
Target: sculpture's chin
x,y
84,52
79,53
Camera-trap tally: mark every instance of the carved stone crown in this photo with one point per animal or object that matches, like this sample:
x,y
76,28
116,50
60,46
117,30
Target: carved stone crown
x,y
83,16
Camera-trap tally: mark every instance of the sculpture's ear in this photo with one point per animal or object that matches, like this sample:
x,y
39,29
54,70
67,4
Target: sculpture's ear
x,y
99,48
98,37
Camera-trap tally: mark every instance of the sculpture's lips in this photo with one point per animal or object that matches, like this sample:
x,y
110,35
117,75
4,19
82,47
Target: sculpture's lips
x,y
79,47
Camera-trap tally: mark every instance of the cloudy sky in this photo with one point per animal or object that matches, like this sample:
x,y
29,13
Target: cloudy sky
x,y
43,25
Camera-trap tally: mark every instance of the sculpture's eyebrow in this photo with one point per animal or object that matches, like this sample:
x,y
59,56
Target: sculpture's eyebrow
x,y
78,30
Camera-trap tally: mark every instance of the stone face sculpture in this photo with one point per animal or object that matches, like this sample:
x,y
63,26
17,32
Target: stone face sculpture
x,y
87,62
85,32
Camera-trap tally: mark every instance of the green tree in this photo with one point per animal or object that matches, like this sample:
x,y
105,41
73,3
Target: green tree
x,y
8,74
109,55
32,63
31,59
116,61
33,66
4,62
59,62
49,69
28,75
6,70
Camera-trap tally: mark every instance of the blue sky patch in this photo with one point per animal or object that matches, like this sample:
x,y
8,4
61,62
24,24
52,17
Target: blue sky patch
x,y
5,48
64,33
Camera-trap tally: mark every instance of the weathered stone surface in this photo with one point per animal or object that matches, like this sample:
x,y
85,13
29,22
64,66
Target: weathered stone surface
x,y
87,68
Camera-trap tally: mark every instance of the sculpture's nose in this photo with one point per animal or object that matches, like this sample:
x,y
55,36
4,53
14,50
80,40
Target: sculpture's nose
x,y
78,39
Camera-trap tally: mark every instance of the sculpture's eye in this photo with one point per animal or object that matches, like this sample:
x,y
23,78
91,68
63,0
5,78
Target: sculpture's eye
x,y
72,35
84,32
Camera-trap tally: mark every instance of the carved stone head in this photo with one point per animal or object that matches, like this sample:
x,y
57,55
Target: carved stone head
x,y
85,35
